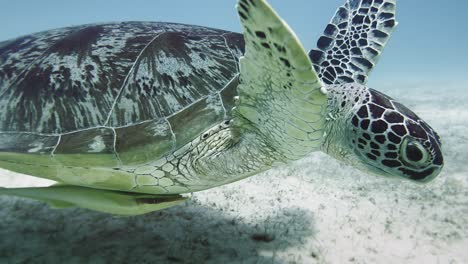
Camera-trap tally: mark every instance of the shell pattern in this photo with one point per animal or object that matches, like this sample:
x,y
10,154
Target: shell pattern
x,y
111,88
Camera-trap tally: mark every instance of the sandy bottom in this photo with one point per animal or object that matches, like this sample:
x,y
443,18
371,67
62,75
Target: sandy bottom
x,y
313,211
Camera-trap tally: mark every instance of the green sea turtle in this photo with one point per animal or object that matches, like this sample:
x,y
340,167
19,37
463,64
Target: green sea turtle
x,y
129,116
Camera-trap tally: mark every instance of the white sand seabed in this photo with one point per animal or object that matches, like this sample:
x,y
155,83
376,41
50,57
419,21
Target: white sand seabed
x,y
315,210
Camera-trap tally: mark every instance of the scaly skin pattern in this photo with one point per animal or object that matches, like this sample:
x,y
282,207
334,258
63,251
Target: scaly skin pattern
x,y
375,133
214,158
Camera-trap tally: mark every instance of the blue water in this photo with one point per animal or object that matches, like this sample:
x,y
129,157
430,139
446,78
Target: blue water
x,y
430,40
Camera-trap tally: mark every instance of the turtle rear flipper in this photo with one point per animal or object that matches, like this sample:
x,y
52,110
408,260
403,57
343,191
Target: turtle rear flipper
x,y
107,201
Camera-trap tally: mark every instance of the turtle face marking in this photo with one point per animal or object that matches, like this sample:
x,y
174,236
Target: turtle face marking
x,y
392,140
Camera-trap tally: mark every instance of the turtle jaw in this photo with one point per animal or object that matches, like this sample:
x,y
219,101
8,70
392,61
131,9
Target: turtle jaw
x,y
420,177
435,172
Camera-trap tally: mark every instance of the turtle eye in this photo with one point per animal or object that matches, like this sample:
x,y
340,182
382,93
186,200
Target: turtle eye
x,y
414,153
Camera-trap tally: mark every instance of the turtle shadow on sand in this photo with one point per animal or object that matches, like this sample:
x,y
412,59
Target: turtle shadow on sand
x,y
189,233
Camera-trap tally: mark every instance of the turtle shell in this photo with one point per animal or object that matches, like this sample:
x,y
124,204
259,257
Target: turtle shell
x,y
111,95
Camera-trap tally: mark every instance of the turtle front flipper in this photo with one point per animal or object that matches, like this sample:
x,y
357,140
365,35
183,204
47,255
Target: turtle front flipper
x,y
107,201
280,95
353,41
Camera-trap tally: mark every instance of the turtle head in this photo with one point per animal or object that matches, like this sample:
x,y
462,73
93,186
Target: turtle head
x,y
389,139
